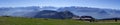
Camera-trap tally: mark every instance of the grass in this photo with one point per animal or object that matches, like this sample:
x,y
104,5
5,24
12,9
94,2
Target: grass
x,y
41,21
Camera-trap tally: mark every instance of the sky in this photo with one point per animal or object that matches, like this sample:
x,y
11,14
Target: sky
x,y
111,4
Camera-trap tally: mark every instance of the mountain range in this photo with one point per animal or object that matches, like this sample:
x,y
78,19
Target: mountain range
x,y
55,12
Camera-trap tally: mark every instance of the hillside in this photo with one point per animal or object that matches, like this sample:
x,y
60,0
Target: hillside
x,y
31,11
54,14
41,21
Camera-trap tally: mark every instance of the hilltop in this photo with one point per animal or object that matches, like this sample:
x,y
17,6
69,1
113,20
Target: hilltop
x,y
32,11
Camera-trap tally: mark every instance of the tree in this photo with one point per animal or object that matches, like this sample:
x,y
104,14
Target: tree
x,y
6,16
116,19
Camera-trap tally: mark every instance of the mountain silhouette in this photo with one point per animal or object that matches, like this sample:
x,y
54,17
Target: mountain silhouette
x,y
54,14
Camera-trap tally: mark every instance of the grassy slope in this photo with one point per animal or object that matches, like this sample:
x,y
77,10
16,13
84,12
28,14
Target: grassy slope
x,y
37,21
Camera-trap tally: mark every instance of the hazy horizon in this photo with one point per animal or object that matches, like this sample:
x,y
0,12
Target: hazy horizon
x,y
112,4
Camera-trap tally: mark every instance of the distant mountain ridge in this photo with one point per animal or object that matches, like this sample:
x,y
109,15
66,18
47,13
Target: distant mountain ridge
x,y
80,11
95,12
54,14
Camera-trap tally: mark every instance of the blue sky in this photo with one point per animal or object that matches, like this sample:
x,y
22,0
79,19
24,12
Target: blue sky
x,y
113,4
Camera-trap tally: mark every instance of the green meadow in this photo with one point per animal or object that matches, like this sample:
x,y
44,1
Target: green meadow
x,y
41,21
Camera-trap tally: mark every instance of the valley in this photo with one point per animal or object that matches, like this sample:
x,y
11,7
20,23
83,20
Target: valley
x,y
42,21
